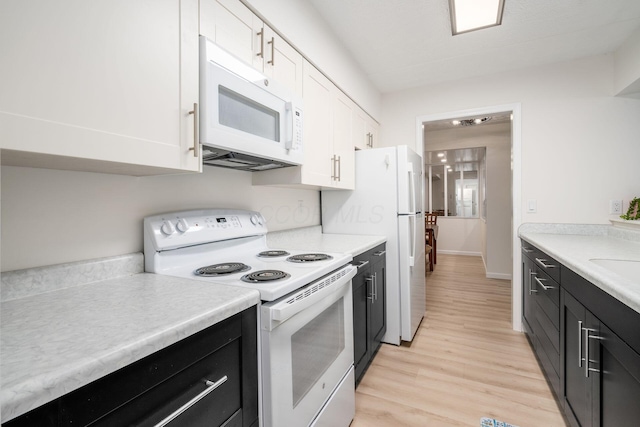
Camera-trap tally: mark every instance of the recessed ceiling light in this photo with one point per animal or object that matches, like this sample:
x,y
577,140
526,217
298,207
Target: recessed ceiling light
x,y
471,15
440,154
455,122
443,160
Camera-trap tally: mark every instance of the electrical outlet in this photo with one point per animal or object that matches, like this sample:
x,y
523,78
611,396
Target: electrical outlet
x,y
615,207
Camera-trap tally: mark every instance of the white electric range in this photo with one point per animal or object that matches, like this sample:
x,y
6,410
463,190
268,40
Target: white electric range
x,y
306,320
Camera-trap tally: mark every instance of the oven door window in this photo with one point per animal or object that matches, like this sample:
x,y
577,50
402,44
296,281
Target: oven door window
x,y
239,112
315,347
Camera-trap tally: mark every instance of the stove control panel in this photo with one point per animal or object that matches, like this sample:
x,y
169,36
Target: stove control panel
x,y
188,228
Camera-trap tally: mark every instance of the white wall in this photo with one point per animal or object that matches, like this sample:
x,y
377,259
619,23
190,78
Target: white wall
x,y
301,25
51,216
460,236
578,144
627,66
496,249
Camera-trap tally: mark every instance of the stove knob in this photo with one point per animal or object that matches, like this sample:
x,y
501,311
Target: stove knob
x,y
167,228
182,225
254,219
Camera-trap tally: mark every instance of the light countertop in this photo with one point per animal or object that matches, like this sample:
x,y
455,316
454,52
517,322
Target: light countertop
x,y
575,245
313,239
55,342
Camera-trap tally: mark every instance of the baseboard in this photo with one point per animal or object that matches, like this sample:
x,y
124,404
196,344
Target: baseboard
x,y
501,276
441,251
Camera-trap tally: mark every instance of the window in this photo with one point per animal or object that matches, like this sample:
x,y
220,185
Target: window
x,y
455,182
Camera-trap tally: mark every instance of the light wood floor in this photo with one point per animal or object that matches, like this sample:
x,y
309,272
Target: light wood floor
x,y
465,362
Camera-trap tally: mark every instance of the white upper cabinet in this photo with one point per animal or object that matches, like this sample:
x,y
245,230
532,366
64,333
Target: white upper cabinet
x,y
103,85
328,138
343,111
235,28
365,130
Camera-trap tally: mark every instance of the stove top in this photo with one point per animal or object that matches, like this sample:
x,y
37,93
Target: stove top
x,y
229,247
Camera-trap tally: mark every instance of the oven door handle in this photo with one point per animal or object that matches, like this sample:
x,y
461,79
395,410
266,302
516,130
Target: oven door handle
x,y
302,300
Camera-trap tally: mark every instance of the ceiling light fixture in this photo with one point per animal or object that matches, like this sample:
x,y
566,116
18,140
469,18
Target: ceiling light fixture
x,y
471,122
443,160
440,154
471,15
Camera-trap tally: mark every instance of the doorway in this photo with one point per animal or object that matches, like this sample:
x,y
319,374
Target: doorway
x,y
500,243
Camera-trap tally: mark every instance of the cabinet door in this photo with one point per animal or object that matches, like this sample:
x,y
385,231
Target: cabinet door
x,y
235,28
372,133
528,296
616,379
360,286
343,150
318,165
282,62
576,387
107,80
378,303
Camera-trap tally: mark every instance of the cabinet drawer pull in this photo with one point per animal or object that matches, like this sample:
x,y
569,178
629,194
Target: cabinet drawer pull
x,y
211,386
261,34
370,296
362,264
379,253
196,130
339,169
375,286
580,358
526,250
587,361
273,51
531,290
542,261
539,282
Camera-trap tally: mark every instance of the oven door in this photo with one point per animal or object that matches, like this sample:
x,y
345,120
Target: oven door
x,y
306,356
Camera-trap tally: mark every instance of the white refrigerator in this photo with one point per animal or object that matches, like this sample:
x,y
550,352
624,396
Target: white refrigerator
x,y
388,201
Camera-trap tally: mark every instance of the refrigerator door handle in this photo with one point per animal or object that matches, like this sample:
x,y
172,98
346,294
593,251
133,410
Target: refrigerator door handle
x,y
412,240
412,188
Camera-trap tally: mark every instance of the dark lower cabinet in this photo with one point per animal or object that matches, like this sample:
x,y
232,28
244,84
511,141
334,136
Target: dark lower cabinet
x,y
215,370
601,385
540,310
587,343
369,302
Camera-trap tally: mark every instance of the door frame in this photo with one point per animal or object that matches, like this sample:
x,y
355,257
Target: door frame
x,y
516,187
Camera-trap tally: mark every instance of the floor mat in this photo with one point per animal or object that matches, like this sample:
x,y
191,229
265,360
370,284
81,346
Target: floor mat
x,y
490,422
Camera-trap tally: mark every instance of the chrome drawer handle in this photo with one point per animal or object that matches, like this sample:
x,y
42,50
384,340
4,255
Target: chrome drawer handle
x,y
546,288
362,264
211,386
542,263
371,296
588,337
531,290
196,130
580,358
379,253
527,250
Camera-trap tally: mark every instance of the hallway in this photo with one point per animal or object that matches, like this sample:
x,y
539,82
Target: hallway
x,y
465,362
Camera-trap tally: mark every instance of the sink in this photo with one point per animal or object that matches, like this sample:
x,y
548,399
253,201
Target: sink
x,y
629,269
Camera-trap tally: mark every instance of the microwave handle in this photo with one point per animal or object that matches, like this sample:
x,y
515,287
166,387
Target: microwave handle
x,y
288,108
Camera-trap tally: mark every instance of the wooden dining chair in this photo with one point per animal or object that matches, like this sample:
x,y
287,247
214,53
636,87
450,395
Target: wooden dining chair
x,y
430,218
428,249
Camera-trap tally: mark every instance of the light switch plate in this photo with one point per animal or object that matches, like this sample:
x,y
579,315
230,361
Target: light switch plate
x,y
532,206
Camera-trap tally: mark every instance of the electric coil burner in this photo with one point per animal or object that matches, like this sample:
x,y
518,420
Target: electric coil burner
x,y
309,257
272,254
265,276
222,269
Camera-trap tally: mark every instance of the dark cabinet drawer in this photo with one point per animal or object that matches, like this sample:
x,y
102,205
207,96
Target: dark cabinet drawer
x,y
147,391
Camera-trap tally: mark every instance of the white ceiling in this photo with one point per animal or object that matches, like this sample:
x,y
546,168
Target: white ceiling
x,y
402,44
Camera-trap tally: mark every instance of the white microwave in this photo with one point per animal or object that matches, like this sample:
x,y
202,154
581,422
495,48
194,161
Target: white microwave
x,y
247,122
